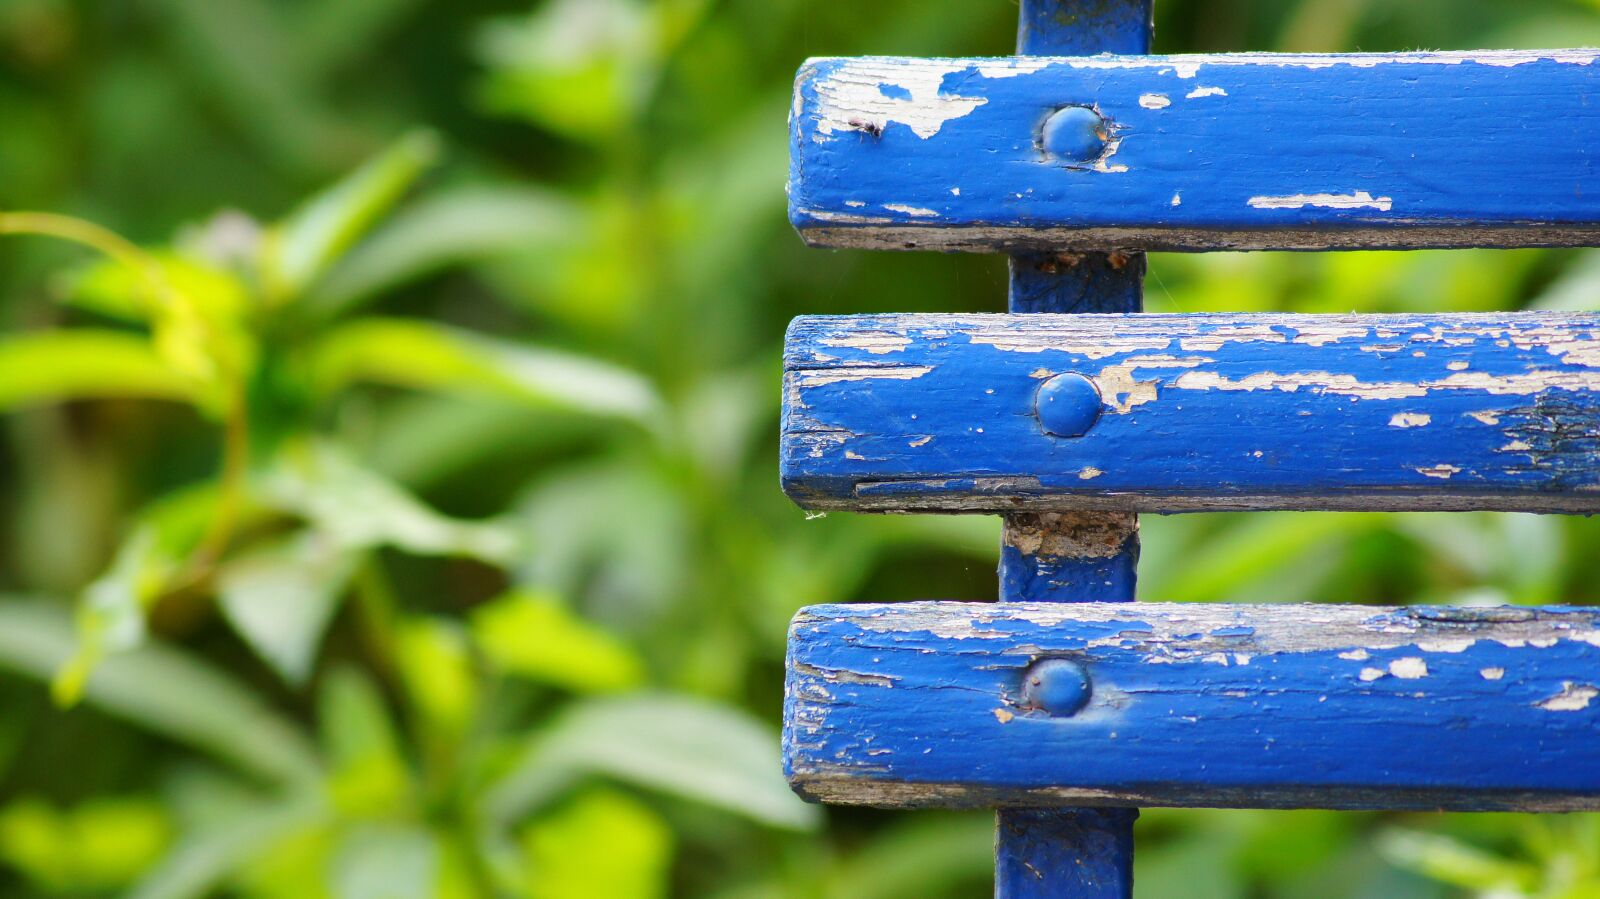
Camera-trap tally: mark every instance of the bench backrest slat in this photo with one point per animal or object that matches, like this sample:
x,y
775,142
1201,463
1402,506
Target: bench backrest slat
x,y
1219,152
941,412
1265,706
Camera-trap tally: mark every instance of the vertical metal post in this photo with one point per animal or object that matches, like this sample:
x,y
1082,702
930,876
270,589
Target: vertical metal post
x,y
1072,557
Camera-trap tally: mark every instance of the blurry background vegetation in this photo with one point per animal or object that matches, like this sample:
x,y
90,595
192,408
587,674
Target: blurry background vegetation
x,y
396,513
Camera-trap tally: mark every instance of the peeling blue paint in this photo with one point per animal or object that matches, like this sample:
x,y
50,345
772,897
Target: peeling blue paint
x,y
1202,411
1325,706
1412,149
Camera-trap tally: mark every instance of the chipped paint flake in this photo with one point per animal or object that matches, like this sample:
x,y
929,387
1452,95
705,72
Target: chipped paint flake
x,y
1371,674
1574,697
1491,673
1443,471
851,98
1409,668
1089,473
919,212
1003,716
1355,655
1154,101
1410,420
824,377
1322,381
1199,92
1359,200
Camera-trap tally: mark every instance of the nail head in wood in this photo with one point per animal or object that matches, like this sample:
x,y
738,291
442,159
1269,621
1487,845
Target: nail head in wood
x,y
1057,687
1075,134
1068,405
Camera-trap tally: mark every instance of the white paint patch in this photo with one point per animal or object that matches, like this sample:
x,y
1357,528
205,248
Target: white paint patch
x,y
855,204
1154,101
913,211
1487,417
1447,644
877,343
1443,471
1323,381
1359,200
1458,365
1199,92
1089,474
1572,698
1177,199
849,99
955,191
1355,655
1371,674
1410,420
1409,668
920,441
822,378
1492,673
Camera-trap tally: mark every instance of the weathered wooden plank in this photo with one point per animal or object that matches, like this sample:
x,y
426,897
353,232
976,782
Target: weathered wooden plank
x,y
1264,706
937,412
1200,152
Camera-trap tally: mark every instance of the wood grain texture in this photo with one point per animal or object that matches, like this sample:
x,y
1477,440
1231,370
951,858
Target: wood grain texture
x,y
1206,152
935,412
1256,706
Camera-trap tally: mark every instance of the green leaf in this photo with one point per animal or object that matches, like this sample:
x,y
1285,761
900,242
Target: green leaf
x,y
679,745
166,691
306,244
113,288
464,225
602,843
111,612
922,856
101,844
582,68
1451,861
428,356
386,861
435,661
369,773
537,636
358,509
280,599
80,364
207,855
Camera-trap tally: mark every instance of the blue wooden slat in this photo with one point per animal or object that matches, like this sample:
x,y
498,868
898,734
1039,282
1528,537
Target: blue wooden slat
x,y
1206,152
1213,705
936,412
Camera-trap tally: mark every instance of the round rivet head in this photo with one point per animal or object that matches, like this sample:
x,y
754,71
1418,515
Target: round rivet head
x,y
1067,405
1058,687
1075,134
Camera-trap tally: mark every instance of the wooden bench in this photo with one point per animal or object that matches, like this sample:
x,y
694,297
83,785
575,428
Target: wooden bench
x,y
1062,706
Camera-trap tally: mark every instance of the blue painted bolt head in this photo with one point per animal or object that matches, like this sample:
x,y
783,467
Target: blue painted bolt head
x,y
1068,405
1075,134
1058,687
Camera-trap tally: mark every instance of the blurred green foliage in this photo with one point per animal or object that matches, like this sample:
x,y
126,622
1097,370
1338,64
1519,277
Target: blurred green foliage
x,y
387,483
